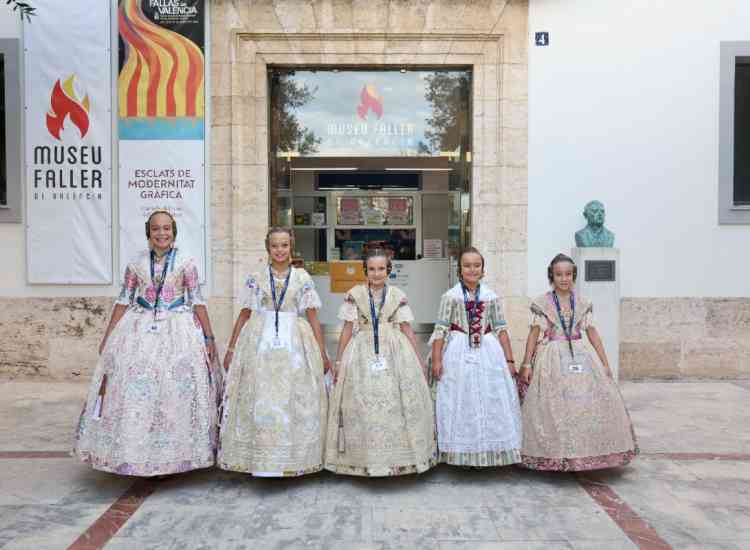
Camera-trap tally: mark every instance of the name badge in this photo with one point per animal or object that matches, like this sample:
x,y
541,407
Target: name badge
x,y
277,343
378,364
576,368
153,328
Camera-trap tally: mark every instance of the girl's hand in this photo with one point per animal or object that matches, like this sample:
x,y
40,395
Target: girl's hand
x,y
437,369
326,364
336,367
512,369
228,359
608,371
525,375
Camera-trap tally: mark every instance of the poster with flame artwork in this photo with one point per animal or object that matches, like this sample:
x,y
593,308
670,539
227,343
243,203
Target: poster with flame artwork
x,y
161,109
68,135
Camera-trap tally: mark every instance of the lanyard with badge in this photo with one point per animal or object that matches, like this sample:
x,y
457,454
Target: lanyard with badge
x,y
574,366
277,305
159,281
475,340
378,363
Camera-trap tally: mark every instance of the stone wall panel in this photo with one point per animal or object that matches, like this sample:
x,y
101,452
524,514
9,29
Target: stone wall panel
x,y
684,337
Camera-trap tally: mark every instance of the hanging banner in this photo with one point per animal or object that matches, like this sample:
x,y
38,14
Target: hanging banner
x,y
161,121
68,129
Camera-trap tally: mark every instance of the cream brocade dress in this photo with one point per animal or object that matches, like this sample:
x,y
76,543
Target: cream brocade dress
x,y
152,403
478,411
574,417
381,421
275,403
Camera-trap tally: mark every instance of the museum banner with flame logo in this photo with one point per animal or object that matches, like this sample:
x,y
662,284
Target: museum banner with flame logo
x,y
160,107
68,133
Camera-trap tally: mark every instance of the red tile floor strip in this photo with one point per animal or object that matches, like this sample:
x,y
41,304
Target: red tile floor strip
x,y
697,456
34,454
104,528
637,529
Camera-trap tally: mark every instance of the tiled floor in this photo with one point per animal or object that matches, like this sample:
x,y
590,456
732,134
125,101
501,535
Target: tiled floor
x,y
689,489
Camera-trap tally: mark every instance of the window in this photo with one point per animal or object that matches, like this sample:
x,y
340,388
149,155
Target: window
x,y
10,132
742,132
734,131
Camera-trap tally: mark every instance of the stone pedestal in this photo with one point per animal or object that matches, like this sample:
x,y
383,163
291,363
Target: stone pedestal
x,y
599,281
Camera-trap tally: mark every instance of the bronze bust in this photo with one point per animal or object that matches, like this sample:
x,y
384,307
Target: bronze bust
x,y
594,234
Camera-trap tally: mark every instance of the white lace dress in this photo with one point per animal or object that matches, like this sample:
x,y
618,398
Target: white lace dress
x,y
477,408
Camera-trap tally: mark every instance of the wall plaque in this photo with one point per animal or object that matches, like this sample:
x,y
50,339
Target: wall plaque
x,y
600,270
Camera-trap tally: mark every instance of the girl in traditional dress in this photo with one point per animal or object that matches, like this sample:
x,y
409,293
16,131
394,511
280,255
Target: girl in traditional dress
x,y
478,415
275,403
152,405
574,417
381,420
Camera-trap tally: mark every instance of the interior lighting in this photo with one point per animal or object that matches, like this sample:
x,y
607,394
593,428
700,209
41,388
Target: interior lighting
x,y
417,169
324,169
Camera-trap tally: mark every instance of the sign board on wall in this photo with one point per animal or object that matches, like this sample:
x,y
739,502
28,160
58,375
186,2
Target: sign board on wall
x,y
68,129
161,109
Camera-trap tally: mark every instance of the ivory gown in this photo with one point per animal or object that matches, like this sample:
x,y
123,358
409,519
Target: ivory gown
x,y
275,402
381,421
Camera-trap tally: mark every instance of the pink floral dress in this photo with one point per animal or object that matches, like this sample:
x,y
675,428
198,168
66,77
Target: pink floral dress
x,y
152,404
574,417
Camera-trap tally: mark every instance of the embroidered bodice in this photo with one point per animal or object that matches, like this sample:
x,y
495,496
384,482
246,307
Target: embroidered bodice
x,y
300,294
356,307
181,286
544,315
453,313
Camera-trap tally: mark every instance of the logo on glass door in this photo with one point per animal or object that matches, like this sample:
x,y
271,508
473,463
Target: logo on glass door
x,y
369,100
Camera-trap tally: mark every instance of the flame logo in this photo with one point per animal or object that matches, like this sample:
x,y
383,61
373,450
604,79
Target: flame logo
x,y
65,104
369,99
163,71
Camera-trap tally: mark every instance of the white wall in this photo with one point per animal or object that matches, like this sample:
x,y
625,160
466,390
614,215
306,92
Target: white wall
x,y
10,23
624,108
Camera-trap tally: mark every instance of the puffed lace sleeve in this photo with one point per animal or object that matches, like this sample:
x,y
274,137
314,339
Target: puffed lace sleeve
x,y
537,317
443,322
587,320
252,295
307,298
192,285
348,310
496,317
403,313
129,287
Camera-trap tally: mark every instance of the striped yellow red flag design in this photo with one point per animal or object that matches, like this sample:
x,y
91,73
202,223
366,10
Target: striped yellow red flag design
x,y
163,71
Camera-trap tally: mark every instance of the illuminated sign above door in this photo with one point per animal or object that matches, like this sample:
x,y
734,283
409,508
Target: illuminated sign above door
x,y
348,113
